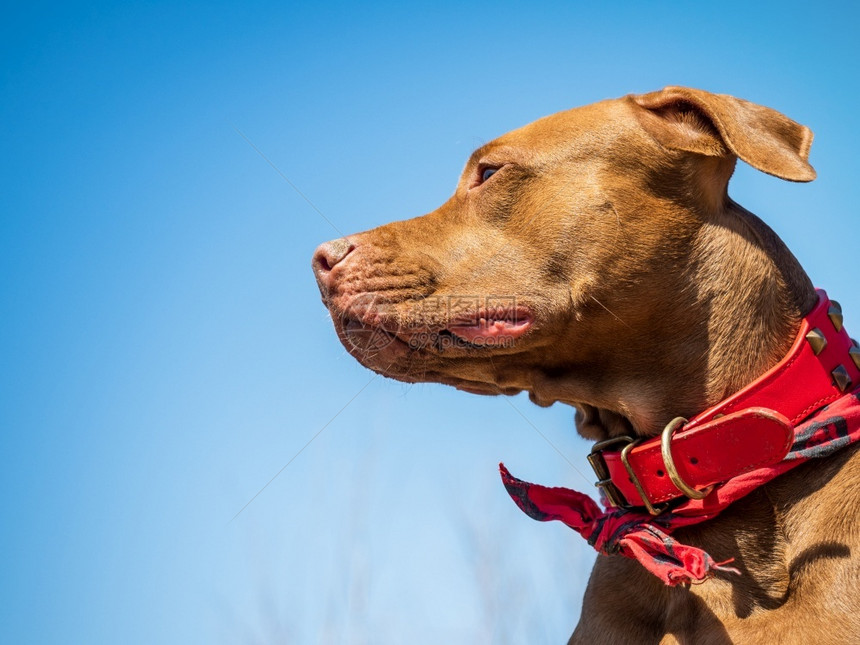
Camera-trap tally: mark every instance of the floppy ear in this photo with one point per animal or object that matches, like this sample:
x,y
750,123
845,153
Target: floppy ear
x,y
719,125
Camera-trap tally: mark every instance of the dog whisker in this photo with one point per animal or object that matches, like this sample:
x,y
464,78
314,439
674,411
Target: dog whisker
x,y
611,313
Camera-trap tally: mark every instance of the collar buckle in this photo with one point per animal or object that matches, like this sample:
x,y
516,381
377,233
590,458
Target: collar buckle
x,y
604,478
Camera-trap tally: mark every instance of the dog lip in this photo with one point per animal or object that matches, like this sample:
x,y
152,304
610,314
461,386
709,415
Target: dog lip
x,y
492,327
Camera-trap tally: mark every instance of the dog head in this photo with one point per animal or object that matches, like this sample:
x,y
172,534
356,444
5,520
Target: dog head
x,y
576,260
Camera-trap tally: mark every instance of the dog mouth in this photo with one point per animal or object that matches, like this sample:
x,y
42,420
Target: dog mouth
x,y
381,338
491,327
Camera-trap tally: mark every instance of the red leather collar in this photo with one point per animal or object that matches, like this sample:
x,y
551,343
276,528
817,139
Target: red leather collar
x,y
753,428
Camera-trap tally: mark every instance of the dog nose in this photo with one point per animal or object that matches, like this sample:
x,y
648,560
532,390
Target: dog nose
x,y
326,257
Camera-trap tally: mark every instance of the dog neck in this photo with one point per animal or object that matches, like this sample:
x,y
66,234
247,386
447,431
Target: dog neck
x,y
733,314
804,408
757,294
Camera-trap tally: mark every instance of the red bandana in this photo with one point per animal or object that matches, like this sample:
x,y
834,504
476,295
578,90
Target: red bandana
x,y
634,533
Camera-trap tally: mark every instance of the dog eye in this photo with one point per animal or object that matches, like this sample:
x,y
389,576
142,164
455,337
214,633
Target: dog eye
x,y
487,173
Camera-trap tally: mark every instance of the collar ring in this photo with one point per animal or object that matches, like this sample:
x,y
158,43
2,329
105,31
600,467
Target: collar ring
x,y
671,470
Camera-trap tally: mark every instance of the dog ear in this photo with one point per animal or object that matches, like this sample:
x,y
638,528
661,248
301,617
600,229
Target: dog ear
x,y
719,125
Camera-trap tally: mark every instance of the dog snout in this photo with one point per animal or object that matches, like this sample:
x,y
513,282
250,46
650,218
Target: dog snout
x,y
326,258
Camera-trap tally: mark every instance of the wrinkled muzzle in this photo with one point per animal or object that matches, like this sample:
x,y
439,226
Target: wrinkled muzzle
x,y
390,314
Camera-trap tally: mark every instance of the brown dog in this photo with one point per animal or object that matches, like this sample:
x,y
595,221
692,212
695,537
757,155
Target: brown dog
x,y
594,257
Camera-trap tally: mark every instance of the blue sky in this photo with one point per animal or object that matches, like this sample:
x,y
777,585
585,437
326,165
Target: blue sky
x,y
163,350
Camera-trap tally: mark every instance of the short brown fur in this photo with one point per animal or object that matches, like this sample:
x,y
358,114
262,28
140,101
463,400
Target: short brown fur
x,y
653,295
